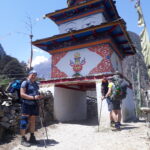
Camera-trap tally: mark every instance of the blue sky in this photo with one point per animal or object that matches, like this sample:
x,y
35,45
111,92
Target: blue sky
x,y
14,14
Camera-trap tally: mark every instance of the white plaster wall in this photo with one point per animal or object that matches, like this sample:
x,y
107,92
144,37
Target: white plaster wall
x,y
95,19
128,107
102,107
69,104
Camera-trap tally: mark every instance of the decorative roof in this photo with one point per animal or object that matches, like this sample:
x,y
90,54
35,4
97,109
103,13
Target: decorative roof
x,y
107,7
80,80
76,2
68,41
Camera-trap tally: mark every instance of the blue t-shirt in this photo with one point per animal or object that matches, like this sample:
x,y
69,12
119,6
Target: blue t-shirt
x,y
32,89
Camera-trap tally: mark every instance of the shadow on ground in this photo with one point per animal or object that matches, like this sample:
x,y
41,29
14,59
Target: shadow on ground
x,y
7,137
49,142
87,122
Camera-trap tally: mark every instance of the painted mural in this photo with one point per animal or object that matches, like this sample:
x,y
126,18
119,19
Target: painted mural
x,y
86,61
82,23
77,64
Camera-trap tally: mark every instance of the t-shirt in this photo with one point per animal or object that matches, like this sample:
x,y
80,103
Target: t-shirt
x,y
104,88
32,89
110,85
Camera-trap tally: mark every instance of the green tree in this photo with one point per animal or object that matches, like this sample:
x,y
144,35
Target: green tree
x,y
3,61
13,69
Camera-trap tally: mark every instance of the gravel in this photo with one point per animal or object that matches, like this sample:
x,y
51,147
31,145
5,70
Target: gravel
x,y
84,135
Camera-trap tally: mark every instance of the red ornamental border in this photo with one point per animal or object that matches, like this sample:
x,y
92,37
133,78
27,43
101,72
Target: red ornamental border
x,y
105,65
56,73
104,50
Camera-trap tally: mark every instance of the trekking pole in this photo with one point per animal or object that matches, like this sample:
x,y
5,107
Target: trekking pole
x,y
41,121
44,126
99,118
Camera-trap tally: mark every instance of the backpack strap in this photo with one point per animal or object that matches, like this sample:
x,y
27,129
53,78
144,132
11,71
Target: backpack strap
x,y
27,84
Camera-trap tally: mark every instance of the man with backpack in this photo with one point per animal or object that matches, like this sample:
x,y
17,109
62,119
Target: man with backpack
x,y
104,90
29,95
116,92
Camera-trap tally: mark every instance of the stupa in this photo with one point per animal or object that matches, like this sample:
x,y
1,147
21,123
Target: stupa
x,y
92,43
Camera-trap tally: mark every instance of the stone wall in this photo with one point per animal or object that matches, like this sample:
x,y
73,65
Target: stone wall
x,y
10,111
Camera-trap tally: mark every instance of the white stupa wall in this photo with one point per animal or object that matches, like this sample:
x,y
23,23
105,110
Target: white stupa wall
x,y
81,23
69,104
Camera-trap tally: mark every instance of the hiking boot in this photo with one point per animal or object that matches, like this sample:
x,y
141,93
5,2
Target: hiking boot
x,y
112,123
24,142
33,140
117,126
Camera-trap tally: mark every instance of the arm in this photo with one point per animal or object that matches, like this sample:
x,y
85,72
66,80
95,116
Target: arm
x,y
25,96
109,92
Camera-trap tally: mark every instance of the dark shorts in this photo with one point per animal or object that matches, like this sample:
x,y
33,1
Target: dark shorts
x,y
31,110
113,105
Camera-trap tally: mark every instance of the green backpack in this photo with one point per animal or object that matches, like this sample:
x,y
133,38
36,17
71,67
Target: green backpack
x,y
119,90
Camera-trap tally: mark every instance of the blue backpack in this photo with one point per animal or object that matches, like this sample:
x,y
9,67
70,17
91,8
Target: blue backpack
x,y
14,86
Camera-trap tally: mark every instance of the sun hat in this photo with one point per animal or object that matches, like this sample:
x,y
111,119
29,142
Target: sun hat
x,y
32,72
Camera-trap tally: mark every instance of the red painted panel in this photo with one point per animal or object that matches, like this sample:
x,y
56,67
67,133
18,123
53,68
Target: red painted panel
x,y
56,73
105,65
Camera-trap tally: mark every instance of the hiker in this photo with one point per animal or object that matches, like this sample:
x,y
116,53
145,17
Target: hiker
x,y
30,95
104,91
113,106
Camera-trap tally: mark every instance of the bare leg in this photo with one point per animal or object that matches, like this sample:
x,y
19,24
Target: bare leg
x,y
114,115
119,115
111,116
22,132
32,124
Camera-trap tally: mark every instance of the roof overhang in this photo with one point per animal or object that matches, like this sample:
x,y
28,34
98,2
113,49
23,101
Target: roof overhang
x,y
115,29
80,82
106,6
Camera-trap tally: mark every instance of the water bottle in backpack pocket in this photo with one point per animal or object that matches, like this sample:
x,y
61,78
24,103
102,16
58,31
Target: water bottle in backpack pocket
x,y
119,90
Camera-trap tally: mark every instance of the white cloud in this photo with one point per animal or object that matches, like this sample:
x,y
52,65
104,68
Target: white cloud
x,y
38,60
44,69
37,50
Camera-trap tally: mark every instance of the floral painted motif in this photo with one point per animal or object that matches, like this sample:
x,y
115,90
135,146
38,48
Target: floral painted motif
x,y
77,64
56,73
105,65
81,66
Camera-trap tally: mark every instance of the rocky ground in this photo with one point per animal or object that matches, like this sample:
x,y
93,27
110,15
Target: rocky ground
x,y
85,136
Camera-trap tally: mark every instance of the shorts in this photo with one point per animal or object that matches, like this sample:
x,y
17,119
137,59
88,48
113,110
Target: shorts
x,y
113,105
31,110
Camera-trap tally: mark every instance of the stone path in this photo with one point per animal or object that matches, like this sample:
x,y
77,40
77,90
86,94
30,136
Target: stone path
x,y
85,136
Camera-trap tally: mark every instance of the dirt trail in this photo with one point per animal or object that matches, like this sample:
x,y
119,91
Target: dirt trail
x,y
85,136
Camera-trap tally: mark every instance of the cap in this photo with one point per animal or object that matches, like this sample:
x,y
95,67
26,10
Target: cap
x,y
104,79
32,72
116,76
110,78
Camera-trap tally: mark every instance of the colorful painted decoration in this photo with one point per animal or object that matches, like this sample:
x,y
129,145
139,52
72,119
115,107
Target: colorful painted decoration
x,y
77,64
